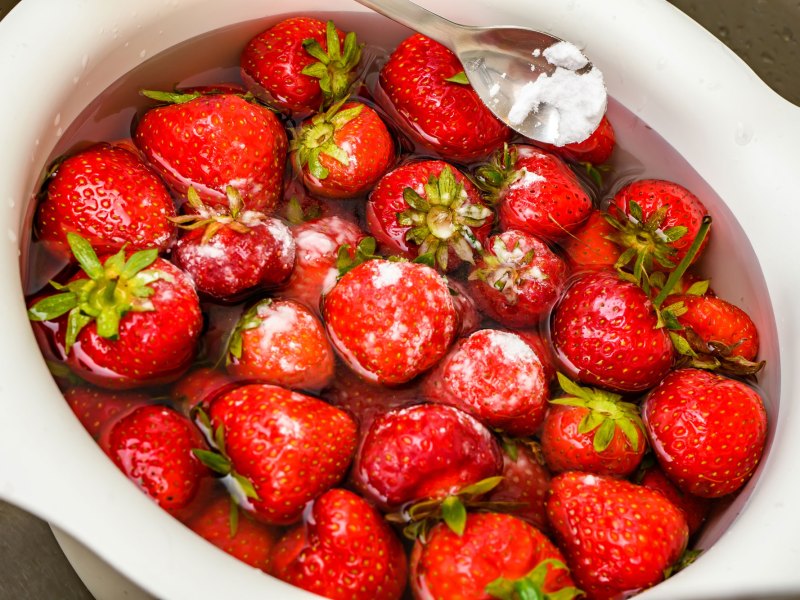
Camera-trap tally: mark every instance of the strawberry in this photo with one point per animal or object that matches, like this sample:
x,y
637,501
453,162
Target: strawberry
x,y
535,339
198,388
424,88
342,152
695,509
230,254
590,246
123,322
153,445
518,279
496,377
468,316
233,531
596,149
253,424
618,537
496,556
526,482
426,451
390,321
281,342
428,207
210,142
317,244
605,333
535,192
592,430
345,550
96,408
707,431
300,64
109,196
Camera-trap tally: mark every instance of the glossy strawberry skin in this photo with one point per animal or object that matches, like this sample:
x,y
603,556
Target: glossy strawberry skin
x,y
109,196
344,550
695,509
422,451
707,431
603,332
451,567
444,117
589,246
526,480
618,537
97,408
198,388
153,446
390,321
214,141
291,447
596,149
546,199
496,377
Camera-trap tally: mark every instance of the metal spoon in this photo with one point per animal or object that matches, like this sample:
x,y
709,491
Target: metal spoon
x,y
542,94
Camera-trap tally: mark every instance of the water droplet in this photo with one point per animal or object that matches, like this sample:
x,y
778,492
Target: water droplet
x,y
743,134
723,32
142,53
57,120
12,236
767,58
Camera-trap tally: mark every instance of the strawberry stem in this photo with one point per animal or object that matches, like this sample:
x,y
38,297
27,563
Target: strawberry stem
x,y
676,274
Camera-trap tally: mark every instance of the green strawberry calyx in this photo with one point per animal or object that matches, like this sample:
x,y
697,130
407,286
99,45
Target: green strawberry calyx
x,y
334,66
212,220
442,219
531,586
251,319
506,268
495,176
606,413
110,291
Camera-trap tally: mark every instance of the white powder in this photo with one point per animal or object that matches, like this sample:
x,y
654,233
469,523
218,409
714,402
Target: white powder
x,y
275,320
529,177
512,346
565,55
388,273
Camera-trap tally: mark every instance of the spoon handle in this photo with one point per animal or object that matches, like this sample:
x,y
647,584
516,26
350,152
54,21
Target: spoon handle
x,y
417,18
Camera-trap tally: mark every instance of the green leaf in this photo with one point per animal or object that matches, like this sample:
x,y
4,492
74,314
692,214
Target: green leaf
x,y
698,288
233,518
484,486
415,201
460,77
246,485
572,388
53,307
603,436
213,460
681,344
85,255
454,514
170,97
75,323
139,261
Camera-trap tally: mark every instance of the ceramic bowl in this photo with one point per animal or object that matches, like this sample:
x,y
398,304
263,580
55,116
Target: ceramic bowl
x,y
680,98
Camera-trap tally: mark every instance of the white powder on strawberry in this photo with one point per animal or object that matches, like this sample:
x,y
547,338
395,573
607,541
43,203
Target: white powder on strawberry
x,y
285,239
275,320
313,245
388,274
527,177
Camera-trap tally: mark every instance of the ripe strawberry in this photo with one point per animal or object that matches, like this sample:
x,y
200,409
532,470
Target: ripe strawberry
x,y
424,88
526,482
221,522
197,388
707,431
497,556
123,322
390,321
590,246
281,342
596,149
109,196
618,537
518,279
695,509
317,244
541,346
535,192
592,430
210,142
230,254
496,377
96,408
300,64
426,451
345,550
342,152
253,424
429,207
468,316
153,445
605,333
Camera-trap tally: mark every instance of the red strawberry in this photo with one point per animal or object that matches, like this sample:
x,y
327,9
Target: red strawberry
x,y
496,377
429,207
125,321
254,424
198,388
342,152
390,321
96,408
535,191
695,509
468,316
210,142
345,550
232,253
605,333
596,149
281,342
153,446
317,244
107,195
222,523
497,556
299,64
543,350
421,452
526,481
592,430
707,431
424,88
618,537
518,279
590,246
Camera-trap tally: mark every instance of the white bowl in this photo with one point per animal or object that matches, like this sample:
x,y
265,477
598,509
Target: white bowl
x,y
739,137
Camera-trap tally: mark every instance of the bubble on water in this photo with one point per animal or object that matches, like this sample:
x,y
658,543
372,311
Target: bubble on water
x,y
743,134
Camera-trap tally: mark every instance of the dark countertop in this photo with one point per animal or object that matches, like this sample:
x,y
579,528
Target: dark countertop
x,y
766,34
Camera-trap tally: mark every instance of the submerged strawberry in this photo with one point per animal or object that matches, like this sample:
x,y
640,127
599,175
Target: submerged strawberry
x,y
96,408
596,149
695,508
197,388
590,246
